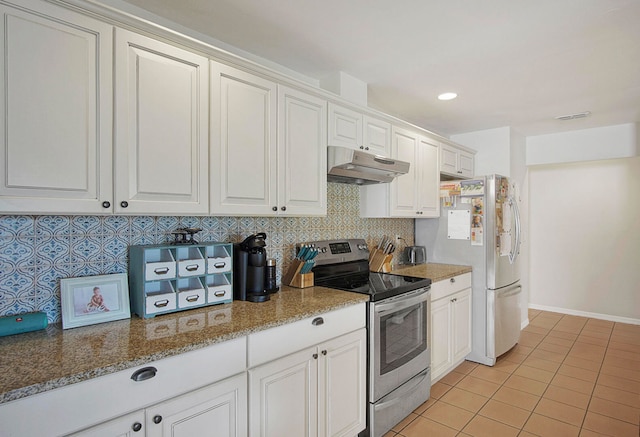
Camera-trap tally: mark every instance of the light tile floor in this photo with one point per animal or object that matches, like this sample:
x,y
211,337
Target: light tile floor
x,y
568,376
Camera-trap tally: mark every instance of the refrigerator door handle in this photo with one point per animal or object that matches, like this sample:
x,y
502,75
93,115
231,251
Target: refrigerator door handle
x,y
516,215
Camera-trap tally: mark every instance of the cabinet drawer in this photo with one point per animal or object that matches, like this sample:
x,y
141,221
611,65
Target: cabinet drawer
x,y
158,303
449,286
83,404
219,264
160,270
190,267
283,340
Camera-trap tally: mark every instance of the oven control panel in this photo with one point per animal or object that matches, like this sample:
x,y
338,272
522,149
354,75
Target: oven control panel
x,y
338,251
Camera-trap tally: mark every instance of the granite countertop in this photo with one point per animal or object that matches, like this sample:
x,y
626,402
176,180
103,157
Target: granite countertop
x,y
38,361
434,271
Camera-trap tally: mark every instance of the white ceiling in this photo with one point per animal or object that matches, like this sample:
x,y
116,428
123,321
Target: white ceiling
x,y
512,63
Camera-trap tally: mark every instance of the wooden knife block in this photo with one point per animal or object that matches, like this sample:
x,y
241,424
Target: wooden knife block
x,y
379,261
294,278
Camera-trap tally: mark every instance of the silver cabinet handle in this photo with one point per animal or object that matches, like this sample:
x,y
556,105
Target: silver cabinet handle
x,y
161,303
192,267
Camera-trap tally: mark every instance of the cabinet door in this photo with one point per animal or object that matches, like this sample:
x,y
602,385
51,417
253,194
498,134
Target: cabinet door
x,y
218,410
243,143
283,396
428,191
56,111
130,425
465,164
162,128
302,153
448,159
440,336
461,325
342,381
345,127
377,136
403,188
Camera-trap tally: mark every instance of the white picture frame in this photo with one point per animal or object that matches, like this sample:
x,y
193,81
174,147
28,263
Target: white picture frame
x,y
94,299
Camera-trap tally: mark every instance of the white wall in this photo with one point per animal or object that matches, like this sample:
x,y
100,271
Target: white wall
x,y
493,147
584,229
609,142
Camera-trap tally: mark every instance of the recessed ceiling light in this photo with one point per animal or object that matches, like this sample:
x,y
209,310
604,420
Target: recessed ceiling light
x,y
447,96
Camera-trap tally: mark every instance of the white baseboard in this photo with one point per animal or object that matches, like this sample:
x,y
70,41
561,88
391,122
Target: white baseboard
x,y
599,316
525,323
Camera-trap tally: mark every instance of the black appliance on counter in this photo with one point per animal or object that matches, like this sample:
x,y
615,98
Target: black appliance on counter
x,y
250,268
398,346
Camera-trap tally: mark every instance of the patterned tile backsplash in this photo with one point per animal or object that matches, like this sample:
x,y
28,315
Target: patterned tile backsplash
x,y
37,251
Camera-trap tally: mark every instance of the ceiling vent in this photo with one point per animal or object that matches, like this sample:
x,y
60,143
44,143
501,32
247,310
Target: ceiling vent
x,y
574,116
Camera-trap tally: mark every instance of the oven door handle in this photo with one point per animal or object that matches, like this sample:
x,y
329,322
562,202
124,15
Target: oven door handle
x,y
399,304
401,394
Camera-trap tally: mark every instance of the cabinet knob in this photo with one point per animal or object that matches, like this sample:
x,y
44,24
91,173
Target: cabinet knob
x,y
157,419
324,352
136,427
460,171
124,204
366,148
362,147
315,356
275,208
106,204
452,280
284,208
455,299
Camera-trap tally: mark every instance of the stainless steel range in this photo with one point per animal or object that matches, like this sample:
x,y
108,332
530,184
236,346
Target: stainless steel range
x,y
398,350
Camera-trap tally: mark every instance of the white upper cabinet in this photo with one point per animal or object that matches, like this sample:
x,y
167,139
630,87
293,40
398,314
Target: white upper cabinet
x,y
162,121
302,153
268,147
414,194
456,162
354,130
243,143
56,115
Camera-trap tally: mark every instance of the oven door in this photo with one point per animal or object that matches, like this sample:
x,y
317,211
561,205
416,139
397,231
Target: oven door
x,y
398,341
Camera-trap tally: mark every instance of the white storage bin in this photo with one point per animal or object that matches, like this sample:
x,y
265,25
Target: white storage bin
x,y
190,262
160,297
219,289
159,264
190,293
218,259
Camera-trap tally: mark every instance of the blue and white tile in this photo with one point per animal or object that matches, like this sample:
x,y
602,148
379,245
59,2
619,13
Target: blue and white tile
x,y
118,266
86,225
210,223
119,225
17,252
85,269
86,249
50,225
53,249
143,239
51,305
16,226
143,225
230,225
263,223
17,306
167,224
247,225
17,283
190,222
114,247
48,278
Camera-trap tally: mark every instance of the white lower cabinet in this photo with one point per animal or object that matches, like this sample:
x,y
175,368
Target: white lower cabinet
x,y
319,391
218,410
450,324
308,378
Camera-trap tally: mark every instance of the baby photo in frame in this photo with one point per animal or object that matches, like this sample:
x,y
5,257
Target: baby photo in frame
x,y
94,299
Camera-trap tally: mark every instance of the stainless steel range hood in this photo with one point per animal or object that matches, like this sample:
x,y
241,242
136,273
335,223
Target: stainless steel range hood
x,y
350,166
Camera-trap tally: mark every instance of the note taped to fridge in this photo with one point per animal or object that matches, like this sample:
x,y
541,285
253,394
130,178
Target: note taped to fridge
x,y
459,225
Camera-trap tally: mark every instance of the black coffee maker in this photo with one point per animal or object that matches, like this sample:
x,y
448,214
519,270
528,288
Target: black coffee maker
x,y
249,263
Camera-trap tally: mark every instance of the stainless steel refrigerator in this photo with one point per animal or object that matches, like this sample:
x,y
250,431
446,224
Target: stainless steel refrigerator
x,y
481,227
